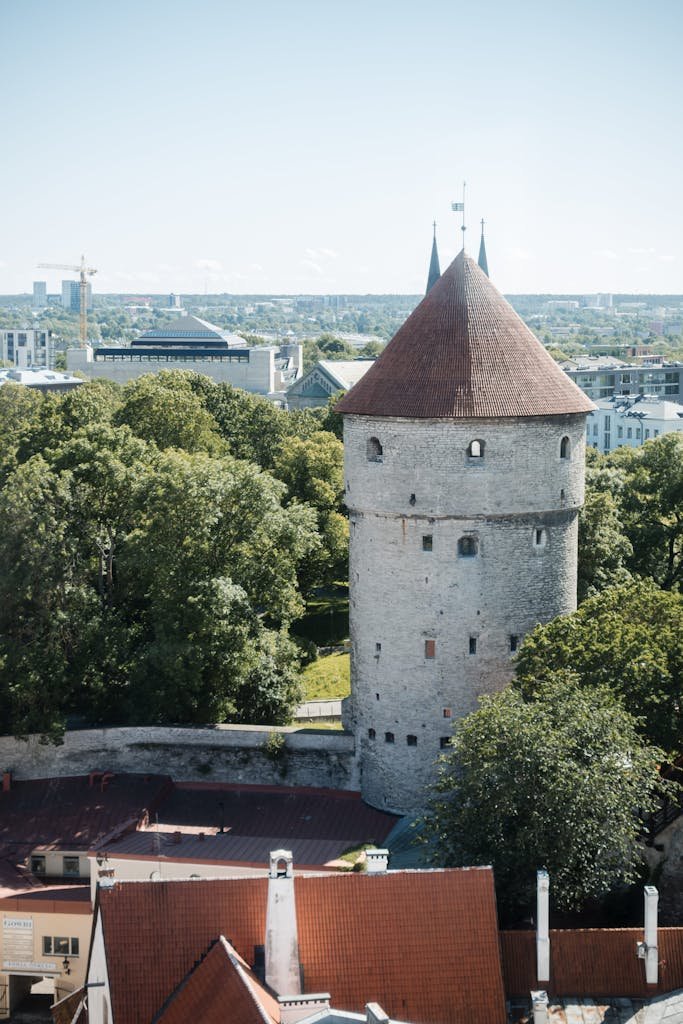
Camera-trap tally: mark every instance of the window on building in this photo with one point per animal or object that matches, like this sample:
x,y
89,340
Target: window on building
x,y
514,642
376,696
607,425
595,429
475,450
60,945
430,648
371,734
411,741
467,546
427,542
565,448
444,742
629,432
446,712
388,737
373,450
540,537
378,648
38,865
647,433
656,433
473,645
620,431
71,866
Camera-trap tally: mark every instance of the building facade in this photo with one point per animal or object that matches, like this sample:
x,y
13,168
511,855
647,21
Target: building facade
x,y
464,460
631,422
26,347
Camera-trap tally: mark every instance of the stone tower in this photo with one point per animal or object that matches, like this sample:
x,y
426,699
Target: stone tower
x,y
464,460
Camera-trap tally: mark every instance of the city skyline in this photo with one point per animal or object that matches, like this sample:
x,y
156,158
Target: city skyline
x,y
284,150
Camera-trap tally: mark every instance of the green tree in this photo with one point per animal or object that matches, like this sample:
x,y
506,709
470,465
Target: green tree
x,y
629,638
652,503
552,782
162,407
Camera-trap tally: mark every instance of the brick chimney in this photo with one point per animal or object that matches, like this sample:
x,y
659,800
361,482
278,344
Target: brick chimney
x,y
542,926
282,944
376,861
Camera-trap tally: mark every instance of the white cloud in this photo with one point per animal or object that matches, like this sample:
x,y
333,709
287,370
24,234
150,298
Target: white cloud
x,y
314,267
641,252
212,266
606,254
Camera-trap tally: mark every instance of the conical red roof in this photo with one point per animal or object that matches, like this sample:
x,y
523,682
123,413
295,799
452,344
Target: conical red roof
x,y
464,352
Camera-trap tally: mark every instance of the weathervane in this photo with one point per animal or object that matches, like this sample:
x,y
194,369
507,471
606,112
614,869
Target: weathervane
x,y
460,208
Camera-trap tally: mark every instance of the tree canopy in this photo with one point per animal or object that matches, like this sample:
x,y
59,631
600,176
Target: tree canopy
x,y
150,559
630,639
551,781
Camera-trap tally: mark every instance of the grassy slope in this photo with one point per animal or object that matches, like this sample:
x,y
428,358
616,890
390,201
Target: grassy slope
x,y
328,678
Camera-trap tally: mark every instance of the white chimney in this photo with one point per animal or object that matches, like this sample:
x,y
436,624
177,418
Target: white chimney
x,y
542,926
296,1008
539,1006
651,953
374,1014
282,944
376,862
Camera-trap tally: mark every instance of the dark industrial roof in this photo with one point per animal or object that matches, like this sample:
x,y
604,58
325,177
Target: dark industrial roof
x,y
464,353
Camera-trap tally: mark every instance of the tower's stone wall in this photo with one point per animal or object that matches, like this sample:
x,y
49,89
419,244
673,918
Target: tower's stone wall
x,y
453,559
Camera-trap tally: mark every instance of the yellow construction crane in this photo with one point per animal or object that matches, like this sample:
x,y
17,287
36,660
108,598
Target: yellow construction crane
x,y
83,270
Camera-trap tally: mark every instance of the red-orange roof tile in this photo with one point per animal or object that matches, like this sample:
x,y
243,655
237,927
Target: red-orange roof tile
x,y
464,352
422,944
221,989
592,962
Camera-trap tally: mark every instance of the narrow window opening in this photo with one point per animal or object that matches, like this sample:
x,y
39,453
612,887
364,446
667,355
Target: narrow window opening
x,y
430,648
565,448
413,499
473,645
378,648
540,537
376,696
371,734
388,737
446,712
427,542
467,547
374,450
475,450
411,741
514,643
444,741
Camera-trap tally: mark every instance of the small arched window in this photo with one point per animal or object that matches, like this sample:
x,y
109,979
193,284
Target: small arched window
x,y
373,450
371,734
475,450
388,737
468,547
565,448
540,537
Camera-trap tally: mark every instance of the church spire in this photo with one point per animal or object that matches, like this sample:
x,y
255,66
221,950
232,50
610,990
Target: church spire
x,y
482,261
434,269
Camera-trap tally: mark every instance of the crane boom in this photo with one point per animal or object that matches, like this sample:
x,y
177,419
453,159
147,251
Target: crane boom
x,y
83,270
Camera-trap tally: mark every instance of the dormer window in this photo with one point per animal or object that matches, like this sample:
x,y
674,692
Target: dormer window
x,y
373,450
475,450
565,448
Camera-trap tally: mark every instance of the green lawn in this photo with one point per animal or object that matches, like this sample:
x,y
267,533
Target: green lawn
x,y
328,678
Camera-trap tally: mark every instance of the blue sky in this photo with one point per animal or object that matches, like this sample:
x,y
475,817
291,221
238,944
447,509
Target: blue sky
x,y
307,146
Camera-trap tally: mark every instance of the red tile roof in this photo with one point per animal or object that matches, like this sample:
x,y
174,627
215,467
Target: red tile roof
x,y
591,962
221,989
422,944
464,352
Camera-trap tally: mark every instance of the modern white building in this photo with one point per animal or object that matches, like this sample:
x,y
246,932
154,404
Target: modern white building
x,y
40,379
25,347
194,344
631,421
464,466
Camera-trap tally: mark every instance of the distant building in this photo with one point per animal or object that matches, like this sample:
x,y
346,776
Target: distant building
x,y
25,347
71,296
194,344
39,294
40,379
325,379
604,376
631,422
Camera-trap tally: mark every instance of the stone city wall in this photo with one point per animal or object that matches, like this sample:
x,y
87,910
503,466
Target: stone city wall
x,y
236,754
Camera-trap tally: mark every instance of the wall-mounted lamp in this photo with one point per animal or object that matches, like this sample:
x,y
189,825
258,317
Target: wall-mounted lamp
x,y
66,969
